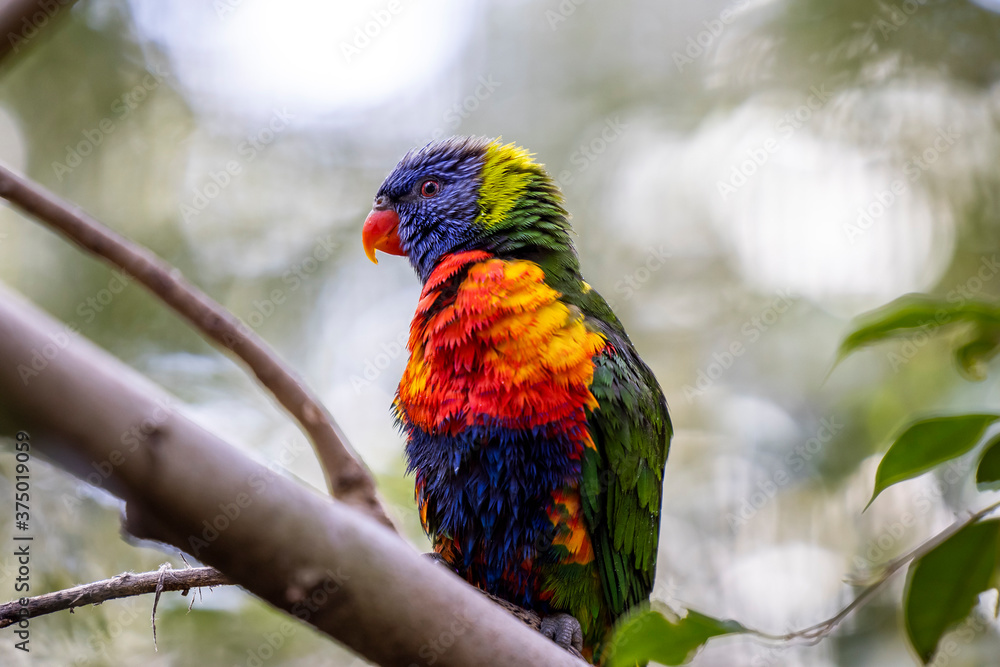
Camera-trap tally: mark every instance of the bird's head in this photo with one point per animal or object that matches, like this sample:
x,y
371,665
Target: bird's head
x,y
466,193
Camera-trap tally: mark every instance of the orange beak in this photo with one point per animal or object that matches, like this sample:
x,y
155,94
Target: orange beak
x,y
379,233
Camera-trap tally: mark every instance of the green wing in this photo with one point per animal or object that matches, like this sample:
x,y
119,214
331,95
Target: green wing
x,y
622,479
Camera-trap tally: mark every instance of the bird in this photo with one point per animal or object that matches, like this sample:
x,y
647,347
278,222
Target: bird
x,y
536,435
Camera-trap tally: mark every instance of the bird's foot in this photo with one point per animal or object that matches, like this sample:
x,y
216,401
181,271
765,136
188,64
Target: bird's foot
x,y
439,559
564,630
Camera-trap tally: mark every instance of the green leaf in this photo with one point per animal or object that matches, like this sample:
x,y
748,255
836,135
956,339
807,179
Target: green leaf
x,y
973,356
926,444
649,635
988,472
915,312
943,586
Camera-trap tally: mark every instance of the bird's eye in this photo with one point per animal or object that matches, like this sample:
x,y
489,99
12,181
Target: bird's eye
x,y
429,188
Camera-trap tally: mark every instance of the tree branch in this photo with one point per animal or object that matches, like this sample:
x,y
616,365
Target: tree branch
x,y
817,632
165,579
346,476
124,585
310,555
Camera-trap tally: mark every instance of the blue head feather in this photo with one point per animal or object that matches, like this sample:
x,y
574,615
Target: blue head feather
x,y
430,228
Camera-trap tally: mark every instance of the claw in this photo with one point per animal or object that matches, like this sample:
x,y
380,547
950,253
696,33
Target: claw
x,y
564,630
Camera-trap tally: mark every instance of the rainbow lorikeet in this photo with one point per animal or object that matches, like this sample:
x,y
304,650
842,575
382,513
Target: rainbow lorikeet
x,y
536,434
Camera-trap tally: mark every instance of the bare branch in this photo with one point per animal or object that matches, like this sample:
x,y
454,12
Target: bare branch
x,y
312,556
347,477
124,585
815,633
162,580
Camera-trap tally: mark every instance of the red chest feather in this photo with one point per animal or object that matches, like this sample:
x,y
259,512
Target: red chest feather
x,y
498,349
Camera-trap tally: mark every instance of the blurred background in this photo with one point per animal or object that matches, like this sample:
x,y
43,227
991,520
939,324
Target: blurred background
x,y
744,178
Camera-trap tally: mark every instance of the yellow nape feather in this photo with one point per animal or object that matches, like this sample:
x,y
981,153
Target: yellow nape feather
x,y
506,173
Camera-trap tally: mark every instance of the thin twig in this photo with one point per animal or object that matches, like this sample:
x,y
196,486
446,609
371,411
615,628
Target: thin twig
x,y
347,477
168,579
124,585
815,633
156,600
